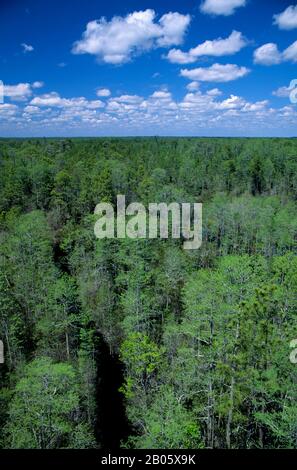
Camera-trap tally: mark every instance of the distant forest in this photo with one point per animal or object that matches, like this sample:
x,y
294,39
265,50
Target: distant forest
x,y
139,343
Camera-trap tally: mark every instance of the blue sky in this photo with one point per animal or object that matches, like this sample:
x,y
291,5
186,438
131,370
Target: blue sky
x,y
191,67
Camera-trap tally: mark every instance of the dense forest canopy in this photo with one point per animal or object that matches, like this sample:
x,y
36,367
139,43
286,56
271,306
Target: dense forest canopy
x,y
198,341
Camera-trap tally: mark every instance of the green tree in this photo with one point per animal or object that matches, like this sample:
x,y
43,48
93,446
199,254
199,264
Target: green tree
x,y
45,403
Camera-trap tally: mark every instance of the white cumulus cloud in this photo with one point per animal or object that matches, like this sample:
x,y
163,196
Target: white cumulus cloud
x,y
287,19
221,7
103,92
176,56
268,54
37,85
19,92
53,99
233,102
216,73
27,48
118,40
128,99
282,92
214,92
290,53
32,109
193,86
161,95
157,112
8,110
216,48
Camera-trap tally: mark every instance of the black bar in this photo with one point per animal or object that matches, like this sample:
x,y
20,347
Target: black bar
x,y
89,459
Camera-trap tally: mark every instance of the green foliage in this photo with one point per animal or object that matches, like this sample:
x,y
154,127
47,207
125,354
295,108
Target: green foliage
x,y
203,337
42,411
141,357
168,425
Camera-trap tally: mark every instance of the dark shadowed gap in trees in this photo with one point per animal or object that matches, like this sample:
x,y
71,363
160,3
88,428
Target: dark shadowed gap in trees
x,y
112,425
60,259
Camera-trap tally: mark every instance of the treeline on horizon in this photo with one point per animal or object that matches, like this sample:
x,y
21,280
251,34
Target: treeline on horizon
x,y
201,338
